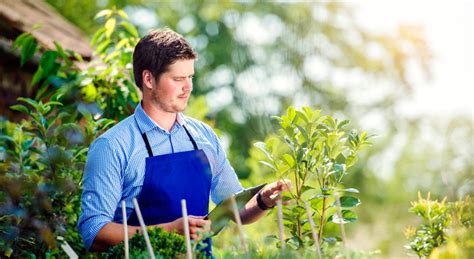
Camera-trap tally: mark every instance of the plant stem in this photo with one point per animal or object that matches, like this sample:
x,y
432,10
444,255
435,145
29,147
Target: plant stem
x,y
321,221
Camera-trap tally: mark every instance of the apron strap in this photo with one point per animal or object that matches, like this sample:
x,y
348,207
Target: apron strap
x,y
147,144
148,147
191,138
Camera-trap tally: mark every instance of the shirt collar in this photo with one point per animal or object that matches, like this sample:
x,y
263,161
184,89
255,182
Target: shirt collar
x,y
145,123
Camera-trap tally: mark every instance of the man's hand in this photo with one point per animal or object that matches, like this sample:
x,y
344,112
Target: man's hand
x,y
270,191
197,226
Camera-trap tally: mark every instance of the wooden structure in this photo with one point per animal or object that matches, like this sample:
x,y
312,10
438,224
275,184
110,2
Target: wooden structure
x,y
16,17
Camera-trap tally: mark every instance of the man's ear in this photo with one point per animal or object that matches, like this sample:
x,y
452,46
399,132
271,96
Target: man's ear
x,y
148,79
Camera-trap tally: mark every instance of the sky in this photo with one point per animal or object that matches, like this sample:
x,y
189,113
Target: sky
x,y
448,30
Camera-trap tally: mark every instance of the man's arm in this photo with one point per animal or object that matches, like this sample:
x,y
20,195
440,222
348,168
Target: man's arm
x,y
252,212
112,233
102,189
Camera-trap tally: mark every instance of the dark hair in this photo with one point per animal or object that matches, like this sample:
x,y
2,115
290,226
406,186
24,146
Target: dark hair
x,y
157,50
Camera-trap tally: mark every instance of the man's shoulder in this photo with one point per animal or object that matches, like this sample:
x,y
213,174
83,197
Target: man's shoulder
x,y
197,124
121,132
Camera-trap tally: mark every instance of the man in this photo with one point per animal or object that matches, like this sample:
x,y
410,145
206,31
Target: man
x,y
159,156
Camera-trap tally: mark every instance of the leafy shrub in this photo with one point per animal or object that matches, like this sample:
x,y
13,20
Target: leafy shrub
x,y
441,221
41,177
315,151
165,245
42,158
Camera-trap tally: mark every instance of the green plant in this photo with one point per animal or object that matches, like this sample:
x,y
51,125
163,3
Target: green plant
x,y
41,177
165,245
42,158
439,219
315,151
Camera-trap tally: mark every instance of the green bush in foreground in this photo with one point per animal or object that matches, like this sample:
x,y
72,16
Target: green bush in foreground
x,y
165,245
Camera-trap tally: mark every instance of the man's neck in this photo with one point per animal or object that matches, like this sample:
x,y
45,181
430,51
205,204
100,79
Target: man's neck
x,y
164,119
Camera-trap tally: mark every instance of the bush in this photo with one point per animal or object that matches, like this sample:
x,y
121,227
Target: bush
x,y
446,227
165,245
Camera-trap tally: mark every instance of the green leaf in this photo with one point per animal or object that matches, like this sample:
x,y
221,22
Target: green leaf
x,y
37,76
302,116
291,113
349,201
28,49
263,147
109,27
342,124
29,101
20,39
130,29
7,138
347,216
48,62
121,43
351,160
60,50
122,14
77,56
289,160
27,144
21,108
103,46
53,103
333,137
352,190
305,188
269,165
304,133
106,13
98,36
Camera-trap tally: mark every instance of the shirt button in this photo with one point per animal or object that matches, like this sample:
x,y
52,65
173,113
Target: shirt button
x,y
89,197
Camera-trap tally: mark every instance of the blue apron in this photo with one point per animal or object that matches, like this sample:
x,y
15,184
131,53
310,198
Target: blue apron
x,y
170,178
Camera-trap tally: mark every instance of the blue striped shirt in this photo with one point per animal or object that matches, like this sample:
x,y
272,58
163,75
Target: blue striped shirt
x,y
115,167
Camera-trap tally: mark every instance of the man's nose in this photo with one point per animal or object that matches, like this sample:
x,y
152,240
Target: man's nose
x,y
188,84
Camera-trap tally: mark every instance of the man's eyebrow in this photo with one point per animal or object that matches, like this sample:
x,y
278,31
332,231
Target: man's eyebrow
x,y
183,76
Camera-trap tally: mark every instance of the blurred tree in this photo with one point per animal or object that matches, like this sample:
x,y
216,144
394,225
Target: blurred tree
x,y
256,58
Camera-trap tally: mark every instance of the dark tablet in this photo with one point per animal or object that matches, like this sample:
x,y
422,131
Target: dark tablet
x,y
222,213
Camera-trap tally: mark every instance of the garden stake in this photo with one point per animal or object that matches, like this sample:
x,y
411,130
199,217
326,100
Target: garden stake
x,y
341,220
239,223
184,212
125,229
280,224
142,224
67,248
313,229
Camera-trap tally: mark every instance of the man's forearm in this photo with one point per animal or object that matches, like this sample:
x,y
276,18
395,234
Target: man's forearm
x,y
112,233
251,212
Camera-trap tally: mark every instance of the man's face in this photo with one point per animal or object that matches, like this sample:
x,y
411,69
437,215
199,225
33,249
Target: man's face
x,y
172,91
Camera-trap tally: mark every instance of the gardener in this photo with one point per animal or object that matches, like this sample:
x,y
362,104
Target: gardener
x,y
160,156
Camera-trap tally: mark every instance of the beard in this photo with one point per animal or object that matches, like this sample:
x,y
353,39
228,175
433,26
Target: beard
x,y
174,105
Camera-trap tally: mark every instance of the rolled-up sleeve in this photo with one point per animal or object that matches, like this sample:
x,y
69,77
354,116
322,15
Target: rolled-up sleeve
x,y
102,184
225,181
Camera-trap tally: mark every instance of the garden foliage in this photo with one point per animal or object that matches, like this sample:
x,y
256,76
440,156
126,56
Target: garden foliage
x,y
43,156
315,151
165,245
446,229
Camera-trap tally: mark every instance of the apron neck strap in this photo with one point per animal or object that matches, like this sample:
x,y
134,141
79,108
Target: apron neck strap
x,y
148,147
191,138
147,144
